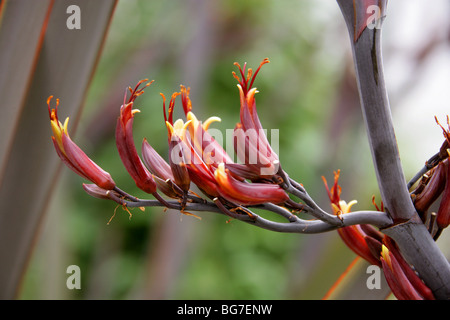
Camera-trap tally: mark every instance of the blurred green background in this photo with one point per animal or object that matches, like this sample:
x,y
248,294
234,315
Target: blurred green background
x,y
307,92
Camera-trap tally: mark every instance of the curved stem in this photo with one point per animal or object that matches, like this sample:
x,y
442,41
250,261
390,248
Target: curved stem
x,y
294,224
299,191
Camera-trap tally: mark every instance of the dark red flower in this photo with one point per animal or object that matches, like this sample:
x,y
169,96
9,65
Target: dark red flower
x,y
251,143
355,237
378,249
72,155
403,281
125,143
443,214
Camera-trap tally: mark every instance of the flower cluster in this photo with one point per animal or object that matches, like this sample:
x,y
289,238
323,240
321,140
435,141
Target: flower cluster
x,y
378,249
256,179
195,157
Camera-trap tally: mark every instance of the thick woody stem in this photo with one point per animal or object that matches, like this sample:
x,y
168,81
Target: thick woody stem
x,y
409,232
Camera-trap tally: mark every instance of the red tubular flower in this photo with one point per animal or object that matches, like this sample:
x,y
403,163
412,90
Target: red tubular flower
x,y
432,190
161,171
378,249
355,237
230,185
395,278
72,155
183,157
410,274
199,172
250,139
403,281
155,163
204,144
125,143
205,159
356,240
244,193
176,135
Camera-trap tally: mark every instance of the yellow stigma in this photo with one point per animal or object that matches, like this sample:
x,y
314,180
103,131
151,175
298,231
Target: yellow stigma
x,y
220,174
191,117
385,255
345,207
179,128
209,121
58,130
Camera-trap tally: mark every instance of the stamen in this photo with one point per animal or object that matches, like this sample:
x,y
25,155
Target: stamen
x,y
48,100
185,100
164,106
136,92
172,105
266,60
249,75
243,82
114,214
236,77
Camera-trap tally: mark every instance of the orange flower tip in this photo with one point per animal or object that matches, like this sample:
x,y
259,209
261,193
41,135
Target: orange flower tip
x,y
175,94
235,76
142,81
249,74
52,111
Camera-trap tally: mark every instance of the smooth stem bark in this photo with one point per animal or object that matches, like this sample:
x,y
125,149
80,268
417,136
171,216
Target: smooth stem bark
x,y
408,231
